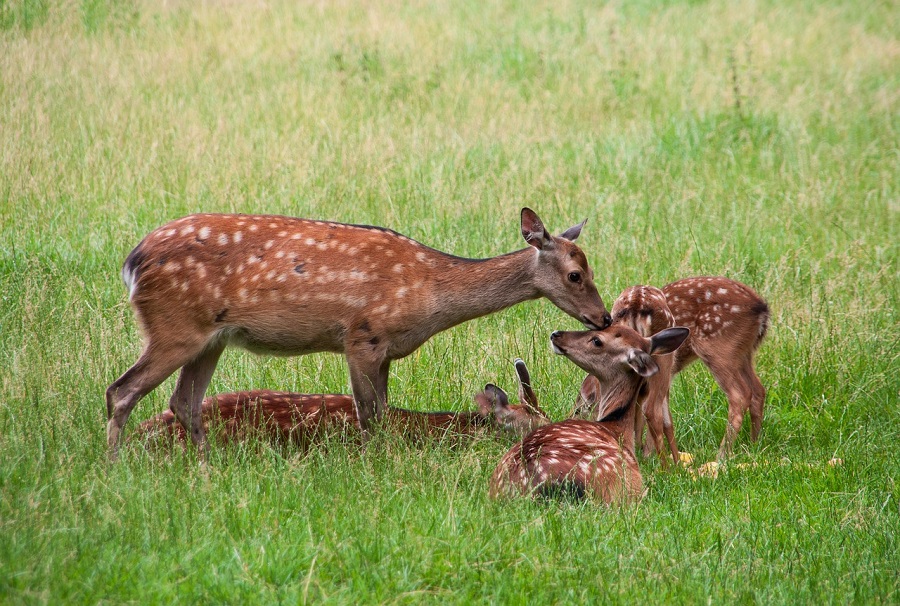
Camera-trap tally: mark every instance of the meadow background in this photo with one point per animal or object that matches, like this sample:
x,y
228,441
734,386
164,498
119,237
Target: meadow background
x,y
757,140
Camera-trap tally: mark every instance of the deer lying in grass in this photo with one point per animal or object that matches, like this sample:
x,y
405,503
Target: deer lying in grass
x,y
288,286
728,321
590,458
285,417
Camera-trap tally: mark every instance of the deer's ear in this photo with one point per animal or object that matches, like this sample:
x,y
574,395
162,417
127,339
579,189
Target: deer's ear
x,y
668,340
527,397
573,232
498,397
533,230
642,363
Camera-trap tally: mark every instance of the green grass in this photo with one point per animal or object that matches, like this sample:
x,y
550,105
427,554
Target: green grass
x,y
753,140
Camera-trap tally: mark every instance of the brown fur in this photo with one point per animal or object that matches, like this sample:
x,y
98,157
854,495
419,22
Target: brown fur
x,y
289,286
285,417
728,322
590,458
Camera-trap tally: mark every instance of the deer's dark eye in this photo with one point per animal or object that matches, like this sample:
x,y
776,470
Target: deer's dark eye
x,y
596,342
575,277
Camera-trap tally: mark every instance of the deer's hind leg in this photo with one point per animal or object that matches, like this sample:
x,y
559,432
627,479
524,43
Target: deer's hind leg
x,y
187,398
369,380
757,399
154,365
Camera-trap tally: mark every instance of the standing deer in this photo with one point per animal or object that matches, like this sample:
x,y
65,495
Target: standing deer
x,y
594,458
301,418
728,321
289,286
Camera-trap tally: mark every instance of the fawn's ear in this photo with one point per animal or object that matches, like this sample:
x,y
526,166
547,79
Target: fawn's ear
x,y
498,396
573,232
533,230
527,397
642,363
668,340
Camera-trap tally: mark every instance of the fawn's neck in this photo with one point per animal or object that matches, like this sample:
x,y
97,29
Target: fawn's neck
x,y
617,406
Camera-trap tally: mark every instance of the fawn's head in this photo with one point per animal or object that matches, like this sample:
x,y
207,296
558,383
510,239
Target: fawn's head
x,y
520,419
563,274
617,351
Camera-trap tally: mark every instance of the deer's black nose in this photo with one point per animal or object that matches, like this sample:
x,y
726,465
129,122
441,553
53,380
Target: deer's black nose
x,y
607,320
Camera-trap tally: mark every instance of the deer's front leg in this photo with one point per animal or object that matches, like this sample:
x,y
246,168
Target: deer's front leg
x,y
369,379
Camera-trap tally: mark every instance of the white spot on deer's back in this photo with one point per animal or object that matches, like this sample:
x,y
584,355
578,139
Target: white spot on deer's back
x,y
401,292
722,291
398,268
187,230
203,234
238,236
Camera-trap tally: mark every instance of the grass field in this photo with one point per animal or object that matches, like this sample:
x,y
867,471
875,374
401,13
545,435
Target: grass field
x,y
757,140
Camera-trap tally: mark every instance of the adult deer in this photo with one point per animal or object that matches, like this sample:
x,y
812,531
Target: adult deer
x,y
728,322
302,418
593,458
290,286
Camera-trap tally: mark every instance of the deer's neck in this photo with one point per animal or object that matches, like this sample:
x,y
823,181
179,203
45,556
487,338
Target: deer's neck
x,y
617,406
471,288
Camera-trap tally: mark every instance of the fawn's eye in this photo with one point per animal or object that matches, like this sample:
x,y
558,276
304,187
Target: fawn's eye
x,y
596,342
575,277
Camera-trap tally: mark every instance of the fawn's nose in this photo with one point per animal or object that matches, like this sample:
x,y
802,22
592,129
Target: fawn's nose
x,y
607,321
555,334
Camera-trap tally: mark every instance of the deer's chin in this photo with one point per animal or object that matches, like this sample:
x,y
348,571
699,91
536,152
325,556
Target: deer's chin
x,y
557,349
590,325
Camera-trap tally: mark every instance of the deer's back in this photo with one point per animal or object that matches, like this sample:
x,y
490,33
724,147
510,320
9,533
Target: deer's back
x,y
575,456
279,284
718,311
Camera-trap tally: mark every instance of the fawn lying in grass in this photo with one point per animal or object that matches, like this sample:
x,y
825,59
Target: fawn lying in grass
x,y
302,418
590,458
